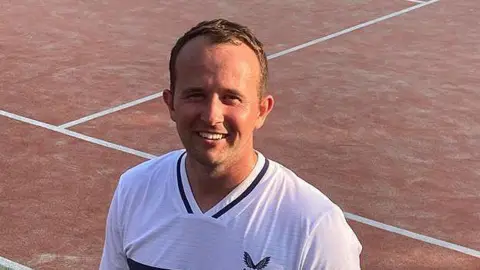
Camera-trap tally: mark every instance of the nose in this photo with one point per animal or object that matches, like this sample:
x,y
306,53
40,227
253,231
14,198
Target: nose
x,y
212,112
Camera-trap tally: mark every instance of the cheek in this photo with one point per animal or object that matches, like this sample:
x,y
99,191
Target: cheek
x,y
241,119
185,115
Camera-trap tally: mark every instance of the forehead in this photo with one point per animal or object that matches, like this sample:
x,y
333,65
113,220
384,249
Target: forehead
x,y
200,57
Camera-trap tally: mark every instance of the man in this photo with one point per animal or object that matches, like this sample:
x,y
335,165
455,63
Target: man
x,y
220,204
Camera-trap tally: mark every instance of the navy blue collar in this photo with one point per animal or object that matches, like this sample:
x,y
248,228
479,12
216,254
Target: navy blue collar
x,y
229,206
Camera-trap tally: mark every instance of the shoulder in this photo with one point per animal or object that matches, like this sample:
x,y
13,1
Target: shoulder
x,y
301,198
155,171
329,238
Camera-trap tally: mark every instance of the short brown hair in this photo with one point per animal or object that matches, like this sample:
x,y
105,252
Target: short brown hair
x,y
222,31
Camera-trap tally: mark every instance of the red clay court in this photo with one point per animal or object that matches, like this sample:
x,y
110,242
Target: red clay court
x,y
377,104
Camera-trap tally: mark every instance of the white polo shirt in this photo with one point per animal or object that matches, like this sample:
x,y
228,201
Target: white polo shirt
x,y
272,220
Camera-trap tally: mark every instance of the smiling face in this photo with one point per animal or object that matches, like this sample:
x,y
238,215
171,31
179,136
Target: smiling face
x,y
215,103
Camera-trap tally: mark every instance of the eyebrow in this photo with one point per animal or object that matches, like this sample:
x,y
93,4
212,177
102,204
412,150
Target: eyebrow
x,y
231,91
191,90
234,92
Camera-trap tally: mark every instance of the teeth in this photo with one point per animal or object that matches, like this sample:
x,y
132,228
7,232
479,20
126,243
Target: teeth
x,y
211,136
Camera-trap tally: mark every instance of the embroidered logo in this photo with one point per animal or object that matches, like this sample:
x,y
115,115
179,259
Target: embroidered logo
x,y
249,262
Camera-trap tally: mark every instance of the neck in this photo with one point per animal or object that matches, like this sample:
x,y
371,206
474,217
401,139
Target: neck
x,y
211,184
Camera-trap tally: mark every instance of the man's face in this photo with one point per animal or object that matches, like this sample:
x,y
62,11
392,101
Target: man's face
x,y
215,103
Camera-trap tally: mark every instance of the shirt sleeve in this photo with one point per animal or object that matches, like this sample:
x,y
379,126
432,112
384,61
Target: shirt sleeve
x,y
332,245
113,256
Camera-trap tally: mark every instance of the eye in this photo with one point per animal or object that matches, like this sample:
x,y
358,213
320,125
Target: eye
x,y
232,99
194,96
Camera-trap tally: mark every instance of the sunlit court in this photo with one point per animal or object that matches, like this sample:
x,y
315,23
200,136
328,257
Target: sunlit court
x,y
377,104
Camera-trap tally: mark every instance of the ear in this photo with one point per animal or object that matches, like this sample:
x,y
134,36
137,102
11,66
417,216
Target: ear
x,y
168,99
266,106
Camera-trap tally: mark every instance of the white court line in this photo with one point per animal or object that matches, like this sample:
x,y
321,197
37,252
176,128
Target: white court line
x,y
416,1
420,237
357,218
272,56
12,265
351,29
111,110
77,135
393,229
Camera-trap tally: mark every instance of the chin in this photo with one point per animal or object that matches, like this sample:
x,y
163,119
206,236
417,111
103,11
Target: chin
x,y
208,157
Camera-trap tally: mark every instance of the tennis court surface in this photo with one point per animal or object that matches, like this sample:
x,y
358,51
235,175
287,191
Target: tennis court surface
x,y
377,105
